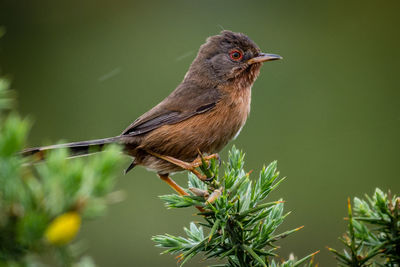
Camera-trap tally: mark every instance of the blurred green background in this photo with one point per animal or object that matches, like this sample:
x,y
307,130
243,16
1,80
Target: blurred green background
x,y
329,112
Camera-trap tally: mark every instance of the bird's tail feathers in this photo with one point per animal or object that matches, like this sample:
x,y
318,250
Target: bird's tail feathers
x,y
76,149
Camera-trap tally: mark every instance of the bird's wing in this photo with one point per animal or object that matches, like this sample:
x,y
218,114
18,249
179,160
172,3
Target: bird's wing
x,y
186,101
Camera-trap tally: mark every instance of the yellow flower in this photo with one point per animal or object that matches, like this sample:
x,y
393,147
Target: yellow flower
x,y
63,229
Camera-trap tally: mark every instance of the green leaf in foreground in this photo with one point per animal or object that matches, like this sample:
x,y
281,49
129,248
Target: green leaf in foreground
x,y
42,204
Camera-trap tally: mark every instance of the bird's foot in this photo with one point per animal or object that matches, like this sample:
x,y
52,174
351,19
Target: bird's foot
x,y
189,166
201,159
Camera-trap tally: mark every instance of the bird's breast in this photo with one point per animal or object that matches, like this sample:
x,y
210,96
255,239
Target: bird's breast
x,y
232,112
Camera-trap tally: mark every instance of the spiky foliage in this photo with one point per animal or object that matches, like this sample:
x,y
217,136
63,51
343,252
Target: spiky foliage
x,y
373,236
42,205
242,226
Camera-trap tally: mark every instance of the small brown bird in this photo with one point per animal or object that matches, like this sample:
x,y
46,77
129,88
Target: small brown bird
x,y
205,112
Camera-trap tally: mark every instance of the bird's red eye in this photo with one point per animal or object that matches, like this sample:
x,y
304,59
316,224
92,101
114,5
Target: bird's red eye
x,y
236,55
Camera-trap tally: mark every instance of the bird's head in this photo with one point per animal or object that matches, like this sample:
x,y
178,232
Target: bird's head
x,y
229,57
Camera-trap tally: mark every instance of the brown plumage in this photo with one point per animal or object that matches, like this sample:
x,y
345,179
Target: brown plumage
x,y
203,113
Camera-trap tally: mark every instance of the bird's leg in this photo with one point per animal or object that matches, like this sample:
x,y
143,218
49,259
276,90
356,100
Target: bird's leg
x,y
190,166
176,187
173,185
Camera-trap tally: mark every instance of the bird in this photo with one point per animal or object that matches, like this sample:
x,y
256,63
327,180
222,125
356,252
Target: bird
x,y
205,111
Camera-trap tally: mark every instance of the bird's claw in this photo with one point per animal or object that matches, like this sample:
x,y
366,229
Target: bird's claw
x,y
209,179
219,159
208,158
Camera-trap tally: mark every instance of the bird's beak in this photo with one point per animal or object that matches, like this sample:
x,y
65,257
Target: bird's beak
x,y
262,57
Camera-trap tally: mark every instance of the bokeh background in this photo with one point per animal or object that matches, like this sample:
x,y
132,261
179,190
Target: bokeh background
x,y
329,112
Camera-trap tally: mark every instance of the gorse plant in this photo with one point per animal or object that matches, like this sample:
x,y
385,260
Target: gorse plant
x,y
242,227
373,236
42,205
